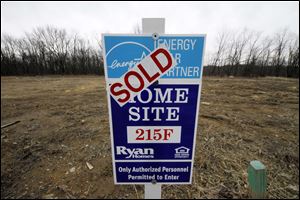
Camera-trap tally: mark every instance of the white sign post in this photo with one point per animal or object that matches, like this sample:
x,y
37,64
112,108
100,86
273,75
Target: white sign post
x,y
153,25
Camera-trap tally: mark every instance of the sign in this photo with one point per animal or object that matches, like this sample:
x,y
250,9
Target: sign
x,y
153,89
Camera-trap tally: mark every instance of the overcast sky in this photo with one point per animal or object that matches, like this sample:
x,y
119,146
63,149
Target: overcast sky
x,y
90,19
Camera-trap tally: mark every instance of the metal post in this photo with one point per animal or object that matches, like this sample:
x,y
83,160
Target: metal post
x,y
153,25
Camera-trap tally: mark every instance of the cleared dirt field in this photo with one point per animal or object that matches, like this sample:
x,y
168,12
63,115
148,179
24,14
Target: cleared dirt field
x,y
64,124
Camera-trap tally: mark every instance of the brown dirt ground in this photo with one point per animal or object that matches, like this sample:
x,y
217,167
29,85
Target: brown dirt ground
x,y
64,124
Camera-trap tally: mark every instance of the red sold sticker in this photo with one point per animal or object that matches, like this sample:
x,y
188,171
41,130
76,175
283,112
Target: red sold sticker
x,y
150,69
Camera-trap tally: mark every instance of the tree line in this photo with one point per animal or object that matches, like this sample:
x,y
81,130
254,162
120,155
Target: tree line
x,y
249,53
49,50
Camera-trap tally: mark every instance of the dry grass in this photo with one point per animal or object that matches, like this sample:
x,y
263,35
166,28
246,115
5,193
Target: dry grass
x,y
64,125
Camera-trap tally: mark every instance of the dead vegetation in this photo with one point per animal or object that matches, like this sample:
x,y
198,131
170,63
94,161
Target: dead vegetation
x,y
64,125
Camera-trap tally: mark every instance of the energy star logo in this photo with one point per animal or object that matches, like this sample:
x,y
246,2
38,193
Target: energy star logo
x,y
126,63
135,152
119,62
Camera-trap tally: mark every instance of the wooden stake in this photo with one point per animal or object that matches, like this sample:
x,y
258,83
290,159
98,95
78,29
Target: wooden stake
x,y
257,180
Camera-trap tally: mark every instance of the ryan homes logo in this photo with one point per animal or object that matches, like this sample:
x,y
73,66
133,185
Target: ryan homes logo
x,y
182,152
135,152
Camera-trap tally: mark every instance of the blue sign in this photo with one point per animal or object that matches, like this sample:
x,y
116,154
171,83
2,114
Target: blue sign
x,y
153,133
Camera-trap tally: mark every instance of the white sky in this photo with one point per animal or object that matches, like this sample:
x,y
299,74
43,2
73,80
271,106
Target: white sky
x,y
90,19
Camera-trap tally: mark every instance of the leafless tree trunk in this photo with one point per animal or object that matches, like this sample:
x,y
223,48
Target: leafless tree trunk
x,y
293,58
279,51
264,55
222,43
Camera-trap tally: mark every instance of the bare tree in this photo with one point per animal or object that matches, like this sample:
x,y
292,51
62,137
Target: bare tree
x,y
253,49
222,40
48,50
251,54
247,53
264,55
137,29
235,50
280,41
293,57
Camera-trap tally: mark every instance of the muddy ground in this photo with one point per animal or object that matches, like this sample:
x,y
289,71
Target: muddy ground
x,y
64,124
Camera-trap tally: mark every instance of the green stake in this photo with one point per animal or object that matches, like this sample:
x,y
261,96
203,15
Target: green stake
x,y
257,179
